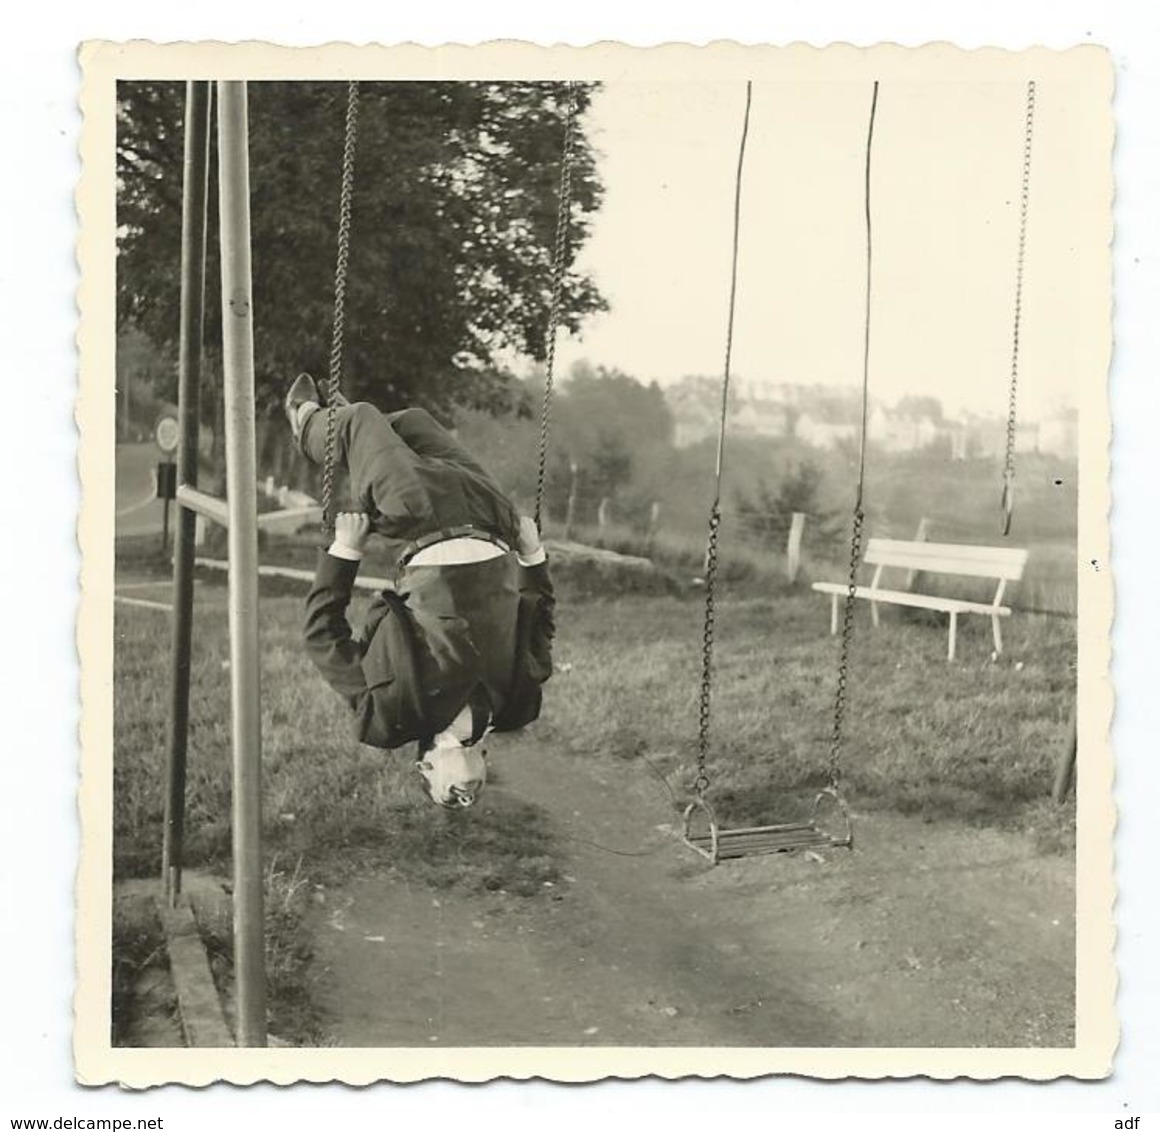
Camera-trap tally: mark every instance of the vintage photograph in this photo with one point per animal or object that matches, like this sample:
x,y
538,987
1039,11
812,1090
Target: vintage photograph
x,y
593,563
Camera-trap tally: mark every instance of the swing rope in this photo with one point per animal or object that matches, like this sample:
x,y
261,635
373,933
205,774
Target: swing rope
x,y
334,379
1008,500
835,765
701,782
559,252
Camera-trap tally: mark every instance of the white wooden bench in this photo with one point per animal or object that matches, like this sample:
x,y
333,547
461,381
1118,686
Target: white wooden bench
x,y
1000,563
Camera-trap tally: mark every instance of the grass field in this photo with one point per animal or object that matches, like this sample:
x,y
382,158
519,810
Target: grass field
x,y
973,741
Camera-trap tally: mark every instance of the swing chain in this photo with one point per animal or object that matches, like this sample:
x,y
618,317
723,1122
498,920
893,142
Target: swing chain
x,y
563,216
334,379
1008,500
835,769
701,782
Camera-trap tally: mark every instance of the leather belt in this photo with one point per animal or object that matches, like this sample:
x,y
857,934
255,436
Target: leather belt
x,y
445,535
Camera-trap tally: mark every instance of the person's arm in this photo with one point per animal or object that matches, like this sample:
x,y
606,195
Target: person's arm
x,y
537,618
329,639
535,630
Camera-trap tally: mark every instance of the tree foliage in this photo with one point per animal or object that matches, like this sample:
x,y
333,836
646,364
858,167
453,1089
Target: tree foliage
x,y
765,516
615,430
454,218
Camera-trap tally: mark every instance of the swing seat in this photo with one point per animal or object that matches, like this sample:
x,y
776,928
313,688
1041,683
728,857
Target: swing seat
x,y
716,844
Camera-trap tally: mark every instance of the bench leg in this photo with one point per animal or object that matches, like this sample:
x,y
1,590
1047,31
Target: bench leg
x,y
874,614
951,638
833,614
997,634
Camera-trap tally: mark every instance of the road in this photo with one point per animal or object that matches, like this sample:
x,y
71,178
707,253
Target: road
x,y
138,511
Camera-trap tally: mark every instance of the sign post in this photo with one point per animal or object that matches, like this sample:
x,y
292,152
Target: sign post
x,y
166,435
194,209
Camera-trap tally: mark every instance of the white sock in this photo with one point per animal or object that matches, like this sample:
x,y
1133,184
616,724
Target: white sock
x,y
304,410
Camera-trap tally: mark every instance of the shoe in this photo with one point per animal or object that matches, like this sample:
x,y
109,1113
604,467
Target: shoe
x,y
302,390
322,397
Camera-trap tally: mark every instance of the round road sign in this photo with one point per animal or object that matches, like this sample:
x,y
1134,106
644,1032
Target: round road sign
x,y
166,434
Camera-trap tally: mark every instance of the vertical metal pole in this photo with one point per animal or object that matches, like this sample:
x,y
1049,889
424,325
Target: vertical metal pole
x,y
193,237
241,481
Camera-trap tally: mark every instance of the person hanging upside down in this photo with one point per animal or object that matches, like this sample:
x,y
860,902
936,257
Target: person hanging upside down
x,y
463,644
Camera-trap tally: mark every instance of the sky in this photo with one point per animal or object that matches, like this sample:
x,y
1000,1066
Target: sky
x,y
945,191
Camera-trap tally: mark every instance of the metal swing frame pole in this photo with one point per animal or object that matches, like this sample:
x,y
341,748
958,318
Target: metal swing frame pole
x,y
194,205
241,476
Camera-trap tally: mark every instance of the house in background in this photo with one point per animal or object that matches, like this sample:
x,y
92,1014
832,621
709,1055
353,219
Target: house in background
x,y
823,433
762,416
975,438
900,432
824,416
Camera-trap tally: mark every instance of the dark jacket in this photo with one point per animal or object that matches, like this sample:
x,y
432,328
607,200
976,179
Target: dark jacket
x,y
426,648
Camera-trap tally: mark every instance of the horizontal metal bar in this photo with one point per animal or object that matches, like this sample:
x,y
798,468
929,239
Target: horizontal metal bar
x,y
295,575
142,603
201,503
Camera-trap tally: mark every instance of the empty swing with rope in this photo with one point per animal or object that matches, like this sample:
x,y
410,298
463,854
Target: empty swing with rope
x,y
701,829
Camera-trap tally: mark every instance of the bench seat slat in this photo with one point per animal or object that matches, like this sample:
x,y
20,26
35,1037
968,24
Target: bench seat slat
x,y
920,601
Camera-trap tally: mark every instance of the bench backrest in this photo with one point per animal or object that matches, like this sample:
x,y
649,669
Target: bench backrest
x,y
1001,562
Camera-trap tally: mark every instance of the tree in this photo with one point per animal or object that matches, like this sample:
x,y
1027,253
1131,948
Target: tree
x,y
695,402
766,515
615,429
454,217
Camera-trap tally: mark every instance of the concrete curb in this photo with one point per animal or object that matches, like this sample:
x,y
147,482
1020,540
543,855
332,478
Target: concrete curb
x,y
199,1008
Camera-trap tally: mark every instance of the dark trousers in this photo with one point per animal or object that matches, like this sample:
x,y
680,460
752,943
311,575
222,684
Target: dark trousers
x,y
409,474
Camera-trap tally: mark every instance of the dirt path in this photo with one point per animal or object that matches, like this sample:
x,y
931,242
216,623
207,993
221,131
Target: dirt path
x,y
926,935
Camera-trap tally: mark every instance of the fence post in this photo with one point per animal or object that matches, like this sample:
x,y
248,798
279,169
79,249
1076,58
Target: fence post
x,y
1065,767
654,520
793,549
570,519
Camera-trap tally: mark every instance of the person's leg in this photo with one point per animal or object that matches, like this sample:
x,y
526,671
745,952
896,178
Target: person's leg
x,y
312,439
462,490
383,481
426,436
